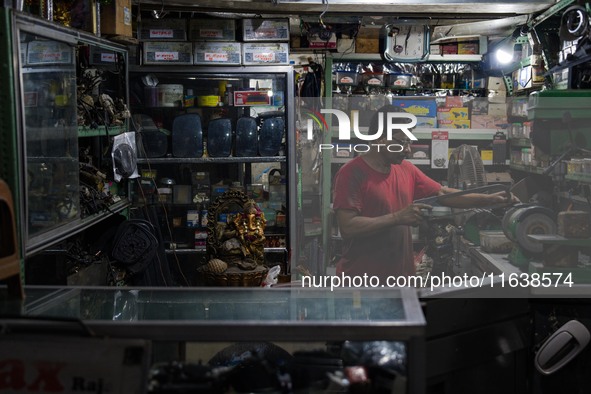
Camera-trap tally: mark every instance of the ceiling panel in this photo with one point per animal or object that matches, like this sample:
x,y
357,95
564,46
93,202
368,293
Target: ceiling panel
x,y
424,8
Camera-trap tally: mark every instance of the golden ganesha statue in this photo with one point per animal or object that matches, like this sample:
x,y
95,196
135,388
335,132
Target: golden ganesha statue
x,y
235,241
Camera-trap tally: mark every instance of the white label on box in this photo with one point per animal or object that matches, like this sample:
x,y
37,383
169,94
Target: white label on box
x,y
211,33
108,57
127,16
166,56
51,56
161,33
215,57
266,57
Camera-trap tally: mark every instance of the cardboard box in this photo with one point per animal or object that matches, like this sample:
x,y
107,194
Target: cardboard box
x,y
497,109
116,18
497,91
426,107
478,106
468,48
486,155
487,121
208,29
445,113
453,124
426,122
367,45
435,49
454,101
449,49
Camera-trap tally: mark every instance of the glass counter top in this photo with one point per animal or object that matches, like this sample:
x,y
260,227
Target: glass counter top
x,y
212,314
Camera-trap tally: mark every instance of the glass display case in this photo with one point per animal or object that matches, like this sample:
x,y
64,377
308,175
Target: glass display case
x,y
70,90
203,131
209,320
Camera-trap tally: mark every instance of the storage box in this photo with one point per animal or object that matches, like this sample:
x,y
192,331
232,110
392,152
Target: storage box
x,y
367,45
347,78
495,241
497,109
468,48
453,124
399,81
478,106
257,29
439,149
217,53
435,49
251,98
486,154
102,56
454,102
426,122
49,52
574,224
497,91
116,18
486,121
208,29
168,53
445,113
315,42
449,49
265,53
419,107
163,29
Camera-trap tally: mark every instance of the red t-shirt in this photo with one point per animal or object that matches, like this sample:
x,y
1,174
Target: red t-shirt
x,y
359,187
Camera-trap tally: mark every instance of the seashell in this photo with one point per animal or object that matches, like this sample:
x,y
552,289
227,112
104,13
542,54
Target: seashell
x,y
216,266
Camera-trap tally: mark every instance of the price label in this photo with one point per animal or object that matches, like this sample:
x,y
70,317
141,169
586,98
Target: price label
x,y
108,58
216,57
161,33
266,57
51,56
166,56
211,33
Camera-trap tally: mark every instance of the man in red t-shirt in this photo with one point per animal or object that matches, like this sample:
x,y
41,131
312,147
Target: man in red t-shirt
x,y
373,200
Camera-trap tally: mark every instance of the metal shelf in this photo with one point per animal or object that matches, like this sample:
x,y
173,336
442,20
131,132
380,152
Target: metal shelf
x,y
49,238
585,178
203,250
454,58
454,134
520,142
101,131
207,160
531,169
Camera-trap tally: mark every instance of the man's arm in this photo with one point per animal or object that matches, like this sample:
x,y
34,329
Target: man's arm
x,y
476,200
352,224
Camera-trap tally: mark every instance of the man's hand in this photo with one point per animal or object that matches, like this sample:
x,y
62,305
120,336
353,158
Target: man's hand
x,y
503,198
412,215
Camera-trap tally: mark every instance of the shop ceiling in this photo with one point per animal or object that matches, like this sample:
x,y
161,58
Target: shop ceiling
x,y
447,17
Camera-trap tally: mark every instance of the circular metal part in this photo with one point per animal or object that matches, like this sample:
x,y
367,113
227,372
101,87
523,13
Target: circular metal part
x,y
508,219
534,224
520,222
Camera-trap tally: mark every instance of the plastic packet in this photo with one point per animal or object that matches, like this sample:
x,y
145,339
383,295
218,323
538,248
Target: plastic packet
x,y
272,275
124,155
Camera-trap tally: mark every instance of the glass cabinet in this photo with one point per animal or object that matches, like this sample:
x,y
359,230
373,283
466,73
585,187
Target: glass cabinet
x,y
202,131
70,90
